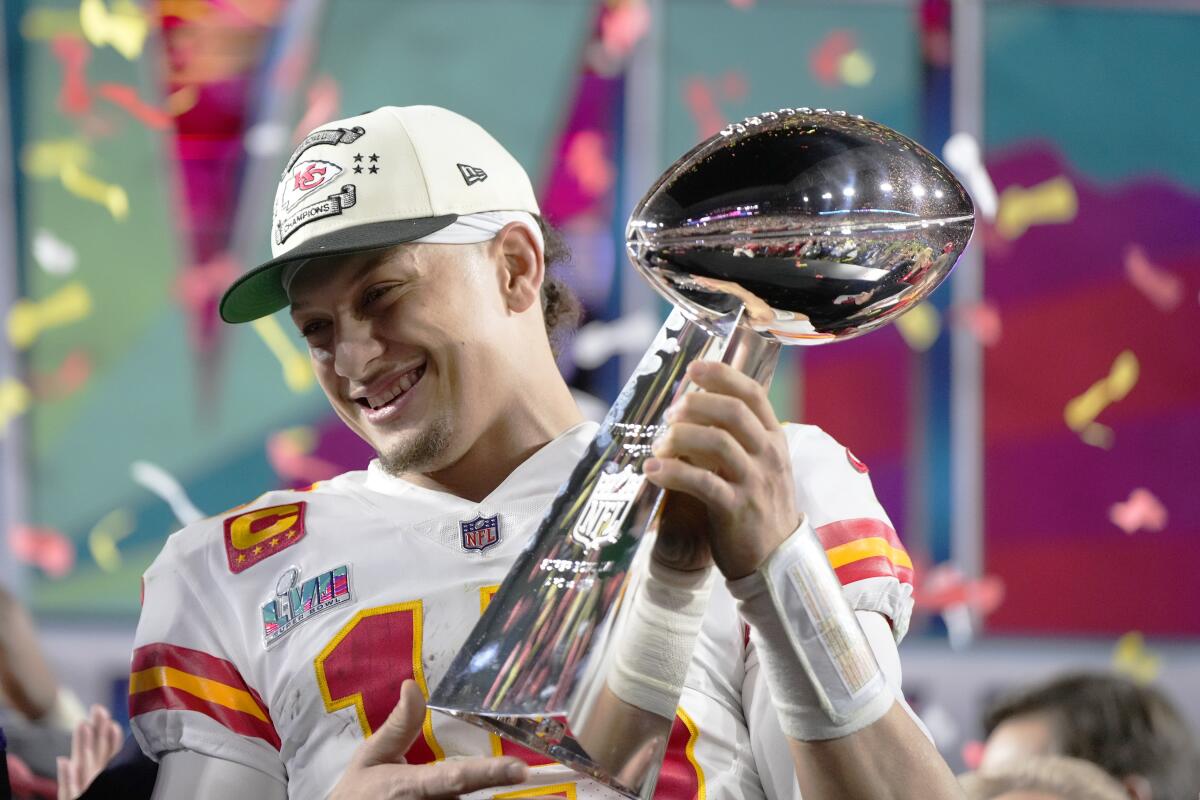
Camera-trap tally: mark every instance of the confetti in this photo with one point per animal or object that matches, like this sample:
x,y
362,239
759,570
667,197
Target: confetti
x,y
981,320
52,254
104,538
1097,435
600,340
187,10
126,97
68,378
1132,659
197,285
1122,377
742,4
124,27
960,601
167,487
701,98
1142,511
28,319
1162,288
920,326
1050,202
89,187
265,139
323,99
972,754
623,26
962,154
586,161
289,453
856,68
182,100
15,400
825,59
44,548
297,372
73,55
46,159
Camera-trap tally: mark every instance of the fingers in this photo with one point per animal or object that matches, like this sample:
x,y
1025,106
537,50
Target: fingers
x,y
724,379
389,744
450,779
704,446
66,788
722,411
706,486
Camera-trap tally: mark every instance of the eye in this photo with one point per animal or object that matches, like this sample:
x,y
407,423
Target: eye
x,y
310,329
376,292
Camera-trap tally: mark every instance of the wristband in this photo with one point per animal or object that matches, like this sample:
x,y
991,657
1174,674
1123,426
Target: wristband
x,y
654,650
819,668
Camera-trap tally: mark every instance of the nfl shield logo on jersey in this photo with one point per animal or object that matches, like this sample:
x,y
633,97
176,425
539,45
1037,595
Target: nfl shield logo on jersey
x,y
480,533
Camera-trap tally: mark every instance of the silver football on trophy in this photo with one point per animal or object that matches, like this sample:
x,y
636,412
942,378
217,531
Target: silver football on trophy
x,y
823,224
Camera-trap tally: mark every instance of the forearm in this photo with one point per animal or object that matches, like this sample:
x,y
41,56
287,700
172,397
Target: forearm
x,y
890,759
25,676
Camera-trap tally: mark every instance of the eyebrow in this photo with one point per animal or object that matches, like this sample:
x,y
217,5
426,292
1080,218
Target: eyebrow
x,y
370,264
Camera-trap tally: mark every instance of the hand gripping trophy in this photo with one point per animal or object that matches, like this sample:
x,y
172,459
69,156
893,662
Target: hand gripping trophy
x,y
791,227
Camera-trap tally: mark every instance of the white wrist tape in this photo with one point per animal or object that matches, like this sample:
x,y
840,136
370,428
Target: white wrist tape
x,y
654,648
819,668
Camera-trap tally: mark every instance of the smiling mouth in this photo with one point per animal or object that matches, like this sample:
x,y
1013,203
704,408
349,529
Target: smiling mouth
x,y
397,390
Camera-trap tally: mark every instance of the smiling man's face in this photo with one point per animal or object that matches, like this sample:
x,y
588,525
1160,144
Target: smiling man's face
x,y
404,342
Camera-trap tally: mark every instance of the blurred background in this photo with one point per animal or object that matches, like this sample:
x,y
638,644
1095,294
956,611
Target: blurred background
x,y
1033,429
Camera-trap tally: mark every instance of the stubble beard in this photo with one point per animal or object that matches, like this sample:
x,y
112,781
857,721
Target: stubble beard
x,y
421,454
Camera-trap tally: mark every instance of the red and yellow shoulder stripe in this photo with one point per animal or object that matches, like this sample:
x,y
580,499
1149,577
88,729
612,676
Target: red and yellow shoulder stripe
x,y
164,676
865,548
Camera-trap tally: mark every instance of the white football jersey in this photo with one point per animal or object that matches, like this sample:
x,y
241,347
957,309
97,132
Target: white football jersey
x,y
277,636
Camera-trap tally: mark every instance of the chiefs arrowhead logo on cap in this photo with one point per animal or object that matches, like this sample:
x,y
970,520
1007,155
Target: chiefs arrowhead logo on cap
x,y
257,535
305,178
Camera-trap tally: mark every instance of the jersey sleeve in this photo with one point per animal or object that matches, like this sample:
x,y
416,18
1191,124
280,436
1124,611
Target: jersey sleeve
x,y
834,490
186,691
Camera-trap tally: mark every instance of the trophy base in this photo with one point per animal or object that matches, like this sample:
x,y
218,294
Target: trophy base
x,y
549,737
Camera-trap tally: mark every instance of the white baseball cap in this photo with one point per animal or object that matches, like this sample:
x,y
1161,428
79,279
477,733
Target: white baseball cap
x,y
382,178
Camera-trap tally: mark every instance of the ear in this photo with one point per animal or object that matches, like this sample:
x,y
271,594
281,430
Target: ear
x,y
521,264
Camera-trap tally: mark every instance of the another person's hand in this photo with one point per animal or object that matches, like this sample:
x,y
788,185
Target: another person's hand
x,y
94,742
725,448
378,770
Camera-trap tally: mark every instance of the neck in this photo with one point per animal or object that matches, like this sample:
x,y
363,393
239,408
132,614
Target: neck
x,y
506,444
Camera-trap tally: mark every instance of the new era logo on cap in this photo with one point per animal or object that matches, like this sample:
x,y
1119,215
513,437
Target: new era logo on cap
x,y
472,174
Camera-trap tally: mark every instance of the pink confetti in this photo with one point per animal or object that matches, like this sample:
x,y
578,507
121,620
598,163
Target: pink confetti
x,y
624,26
972,754
44,548
198,285
826,58
742,4
945,587
324,97
586,161
700,96
291,461
1162,288
69,378
126,97
981,320
1142,511
73,53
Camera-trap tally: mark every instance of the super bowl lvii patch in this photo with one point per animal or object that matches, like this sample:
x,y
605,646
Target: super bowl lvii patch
x,y
297,600
255,535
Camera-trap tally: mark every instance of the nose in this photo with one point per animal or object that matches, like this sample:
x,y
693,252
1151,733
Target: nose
x,y
357,346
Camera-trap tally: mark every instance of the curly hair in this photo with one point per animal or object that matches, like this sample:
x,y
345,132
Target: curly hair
x,y
561,309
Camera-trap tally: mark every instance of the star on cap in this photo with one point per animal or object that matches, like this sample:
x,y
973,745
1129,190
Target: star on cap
x,y
358,156
373,169
357,169
374,157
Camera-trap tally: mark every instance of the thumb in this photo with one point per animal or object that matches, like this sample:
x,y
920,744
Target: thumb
x,y
389,744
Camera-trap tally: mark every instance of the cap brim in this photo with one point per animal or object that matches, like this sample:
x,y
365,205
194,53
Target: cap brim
x,y
260,292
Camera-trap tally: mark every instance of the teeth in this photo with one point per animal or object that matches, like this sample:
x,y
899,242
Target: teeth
x,y
400,387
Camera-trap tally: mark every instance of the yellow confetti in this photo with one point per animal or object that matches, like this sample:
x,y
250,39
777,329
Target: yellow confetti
x,y
297,372
15,400
856,68
1122,377
920,326
85,186
124,27
190,10
182,100
28,319
1132,659
1052,201
47,158
104,538
47,23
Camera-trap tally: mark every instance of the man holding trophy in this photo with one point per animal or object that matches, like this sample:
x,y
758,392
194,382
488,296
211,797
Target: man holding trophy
x,y
408,247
